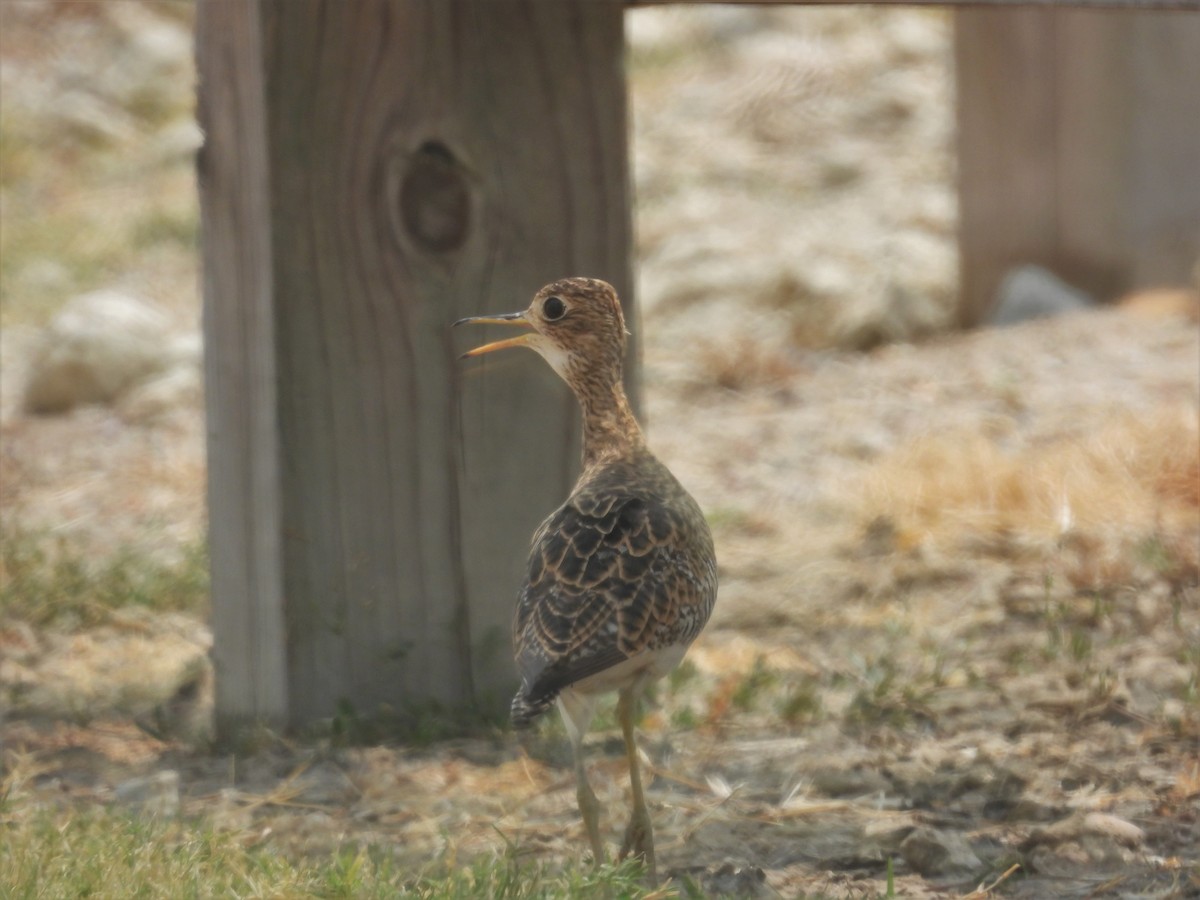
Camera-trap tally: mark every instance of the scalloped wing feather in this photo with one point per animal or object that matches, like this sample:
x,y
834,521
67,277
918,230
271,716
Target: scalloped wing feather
x,y
612,574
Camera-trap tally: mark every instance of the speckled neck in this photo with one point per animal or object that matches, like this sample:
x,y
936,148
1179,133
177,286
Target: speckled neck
x,y
610,430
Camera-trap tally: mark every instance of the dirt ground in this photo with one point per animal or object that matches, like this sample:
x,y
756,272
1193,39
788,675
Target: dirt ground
x,y
958,628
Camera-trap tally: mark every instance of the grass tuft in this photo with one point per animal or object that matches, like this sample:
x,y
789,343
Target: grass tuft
x,y
746,365
1142,473
100,853
801,702
886,698
753,685
45,582
415,724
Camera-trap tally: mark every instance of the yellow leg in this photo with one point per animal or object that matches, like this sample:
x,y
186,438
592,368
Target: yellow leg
x,y
639,836
577,712
589,807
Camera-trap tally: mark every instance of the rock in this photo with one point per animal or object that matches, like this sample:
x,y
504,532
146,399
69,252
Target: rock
x,y
1085,841
730,881
179,389
178,141
325,784
884,836
97,347
93,120
1031,292
1160,674
855,782
914,38
1090,824
154,53
187,714
187,350
1124,833
931,852
153,795
229,812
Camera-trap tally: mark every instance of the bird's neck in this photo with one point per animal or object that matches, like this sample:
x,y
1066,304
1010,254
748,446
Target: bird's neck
x,y
609,427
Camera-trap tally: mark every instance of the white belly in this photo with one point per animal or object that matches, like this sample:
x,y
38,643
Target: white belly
x,y
648,666
578,702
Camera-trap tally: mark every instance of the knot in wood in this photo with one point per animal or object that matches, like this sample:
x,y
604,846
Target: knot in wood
x,y
435,202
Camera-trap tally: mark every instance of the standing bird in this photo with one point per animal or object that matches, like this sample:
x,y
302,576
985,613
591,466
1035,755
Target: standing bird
x,y
621,577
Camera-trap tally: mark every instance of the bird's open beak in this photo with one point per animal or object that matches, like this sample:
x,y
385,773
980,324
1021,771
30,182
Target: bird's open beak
x,y
517,318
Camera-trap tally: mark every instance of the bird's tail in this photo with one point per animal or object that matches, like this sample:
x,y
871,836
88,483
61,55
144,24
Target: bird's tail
x,y
525,708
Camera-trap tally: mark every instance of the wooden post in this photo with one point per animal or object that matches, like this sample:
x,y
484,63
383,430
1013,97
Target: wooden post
x,y
373,171
1078,148
243,458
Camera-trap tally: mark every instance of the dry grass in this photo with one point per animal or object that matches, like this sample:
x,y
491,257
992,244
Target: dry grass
x,y
78,214
102,489
944,670
1137,474
745,364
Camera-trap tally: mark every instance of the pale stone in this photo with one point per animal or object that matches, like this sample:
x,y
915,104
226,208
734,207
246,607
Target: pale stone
x,y
95,349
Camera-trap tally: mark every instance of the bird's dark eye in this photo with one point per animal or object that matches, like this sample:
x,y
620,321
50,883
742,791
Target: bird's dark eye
x,y
554,308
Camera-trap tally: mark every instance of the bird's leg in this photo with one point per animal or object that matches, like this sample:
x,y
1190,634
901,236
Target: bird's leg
x,y
577,710
589,807
639,836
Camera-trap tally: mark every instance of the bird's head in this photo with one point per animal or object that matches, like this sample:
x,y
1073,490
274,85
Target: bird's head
x,y
576,325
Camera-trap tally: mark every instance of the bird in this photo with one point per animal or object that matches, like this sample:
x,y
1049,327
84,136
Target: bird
x,y
622,577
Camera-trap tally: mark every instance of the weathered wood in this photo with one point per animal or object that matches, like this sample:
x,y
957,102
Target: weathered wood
x,y
424,161
249,642
1078,148
1010,4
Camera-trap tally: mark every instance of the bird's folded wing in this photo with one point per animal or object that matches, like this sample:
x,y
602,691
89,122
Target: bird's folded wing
x,y
608,578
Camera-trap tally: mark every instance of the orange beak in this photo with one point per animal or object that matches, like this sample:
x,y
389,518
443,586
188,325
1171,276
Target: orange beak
x,y
517,318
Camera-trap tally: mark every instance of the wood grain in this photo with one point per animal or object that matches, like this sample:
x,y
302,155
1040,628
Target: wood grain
x,y
1011,4
249,634
424,161
1078,146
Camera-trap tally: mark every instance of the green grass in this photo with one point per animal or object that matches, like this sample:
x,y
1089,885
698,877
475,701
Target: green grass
x,y
416,724
735,520
890,697
98,854
45,582
801,702
758,681
102,854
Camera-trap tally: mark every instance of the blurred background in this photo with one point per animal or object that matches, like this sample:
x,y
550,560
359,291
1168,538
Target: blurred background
x,y
960,572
